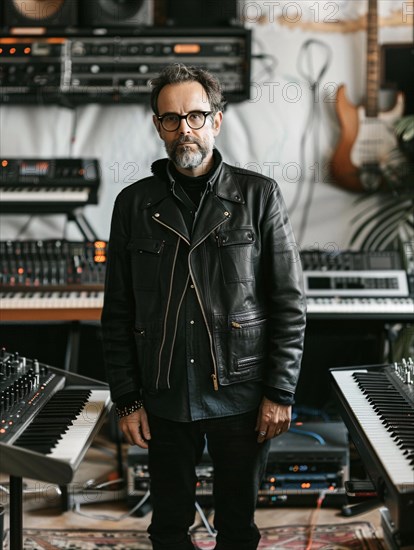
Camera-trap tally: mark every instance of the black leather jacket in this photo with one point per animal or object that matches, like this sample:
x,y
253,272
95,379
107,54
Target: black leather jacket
x,y
244,264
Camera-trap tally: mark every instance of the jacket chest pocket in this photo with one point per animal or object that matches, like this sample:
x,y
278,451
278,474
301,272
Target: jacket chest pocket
x,y
236,253
146,257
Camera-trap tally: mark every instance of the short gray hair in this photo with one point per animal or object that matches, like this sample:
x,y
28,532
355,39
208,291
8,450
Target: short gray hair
x,y
178,73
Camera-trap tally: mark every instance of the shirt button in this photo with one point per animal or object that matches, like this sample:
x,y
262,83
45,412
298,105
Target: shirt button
x,y
191,286
191,322
192,361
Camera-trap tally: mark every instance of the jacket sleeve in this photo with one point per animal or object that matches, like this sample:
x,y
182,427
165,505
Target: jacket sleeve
x,y
118,312
284,289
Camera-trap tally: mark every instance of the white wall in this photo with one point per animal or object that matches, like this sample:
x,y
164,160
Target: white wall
x,y
262,134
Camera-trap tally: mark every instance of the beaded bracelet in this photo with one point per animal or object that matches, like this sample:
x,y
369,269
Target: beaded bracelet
x,y
129,409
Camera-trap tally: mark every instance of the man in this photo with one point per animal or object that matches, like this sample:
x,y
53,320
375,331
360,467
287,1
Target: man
x,y
203,319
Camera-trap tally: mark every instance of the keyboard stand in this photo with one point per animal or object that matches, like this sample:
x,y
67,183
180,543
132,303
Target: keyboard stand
x,y
83,224
72,214
16,513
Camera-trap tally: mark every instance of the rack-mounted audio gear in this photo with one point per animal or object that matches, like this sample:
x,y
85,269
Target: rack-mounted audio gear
x,y
80,69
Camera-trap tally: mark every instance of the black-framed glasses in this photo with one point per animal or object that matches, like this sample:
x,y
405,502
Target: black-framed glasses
x,y
194,119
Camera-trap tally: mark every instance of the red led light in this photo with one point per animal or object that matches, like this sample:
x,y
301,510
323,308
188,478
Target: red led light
x,y
27,50
4,163
12,51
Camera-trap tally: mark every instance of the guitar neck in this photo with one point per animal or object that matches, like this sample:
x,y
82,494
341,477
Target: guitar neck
x,y
372,79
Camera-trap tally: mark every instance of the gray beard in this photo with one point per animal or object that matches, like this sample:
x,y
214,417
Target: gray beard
x,y
187,157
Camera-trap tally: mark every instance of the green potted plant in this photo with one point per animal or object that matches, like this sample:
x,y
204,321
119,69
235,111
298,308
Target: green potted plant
x,y
386,218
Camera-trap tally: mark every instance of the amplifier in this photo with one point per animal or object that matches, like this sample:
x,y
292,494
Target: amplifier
x,y
308,459
82,69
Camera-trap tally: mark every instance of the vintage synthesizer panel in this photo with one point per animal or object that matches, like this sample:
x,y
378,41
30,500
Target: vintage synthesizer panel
x,y
31,184
371,283
82,69
52,279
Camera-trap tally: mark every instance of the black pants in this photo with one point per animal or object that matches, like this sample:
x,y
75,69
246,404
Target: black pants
x,y
239,463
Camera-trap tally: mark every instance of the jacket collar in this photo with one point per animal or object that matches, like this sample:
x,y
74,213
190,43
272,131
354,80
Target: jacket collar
x,y
223,183
214,212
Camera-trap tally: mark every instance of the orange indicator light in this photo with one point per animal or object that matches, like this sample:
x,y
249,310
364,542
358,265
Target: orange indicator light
x,y
187,48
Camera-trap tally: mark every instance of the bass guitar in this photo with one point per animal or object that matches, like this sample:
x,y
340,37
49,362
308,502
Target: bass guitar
x,y
367,136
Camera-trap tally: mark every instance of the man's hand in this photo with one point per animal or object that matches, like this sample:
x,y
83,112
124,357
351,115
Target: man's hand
x,y
135,428
273,419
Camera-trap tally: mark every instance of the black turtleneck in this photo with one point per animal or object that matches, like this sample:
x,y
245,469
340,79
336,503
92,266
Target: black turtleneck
x,y
194,187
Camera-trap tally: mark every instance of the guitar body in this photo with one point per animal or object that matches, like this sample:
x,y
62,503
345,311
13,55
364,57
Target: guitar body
x,y
364,145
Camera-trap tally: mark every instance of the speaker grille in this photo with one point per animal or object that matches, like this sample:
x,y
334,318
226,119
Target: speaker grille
x,y
116,13
40,13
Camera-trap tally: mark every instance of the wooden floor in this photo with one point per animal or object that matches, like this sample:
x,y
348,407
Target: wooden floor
x,y
42,505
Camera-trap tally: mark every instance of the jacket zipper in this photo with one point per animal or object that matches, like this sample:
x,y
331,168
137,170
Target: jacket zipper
x,y
166,316
246,362
214,375
246,324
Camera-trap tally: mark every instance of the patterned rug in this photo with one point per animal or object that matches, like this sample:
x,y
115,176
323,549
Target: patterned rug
x,y
346,536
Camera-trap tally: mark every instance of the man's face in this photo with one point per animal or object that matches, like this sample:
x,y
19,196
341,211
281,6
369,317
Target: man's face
x,y
190,150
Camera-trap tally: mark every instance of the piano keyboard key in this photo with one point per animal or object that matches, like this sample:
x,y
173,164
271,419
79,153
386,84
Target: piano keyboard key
x,y
63,429
361,305
396,465
51,300
44,194
72,443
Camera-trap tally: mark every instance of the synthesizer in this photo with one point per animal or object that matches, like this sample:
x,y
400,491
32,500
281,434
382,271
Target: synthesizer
x,y
28,185
371,284
63,280
48,419
376,403
52,279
